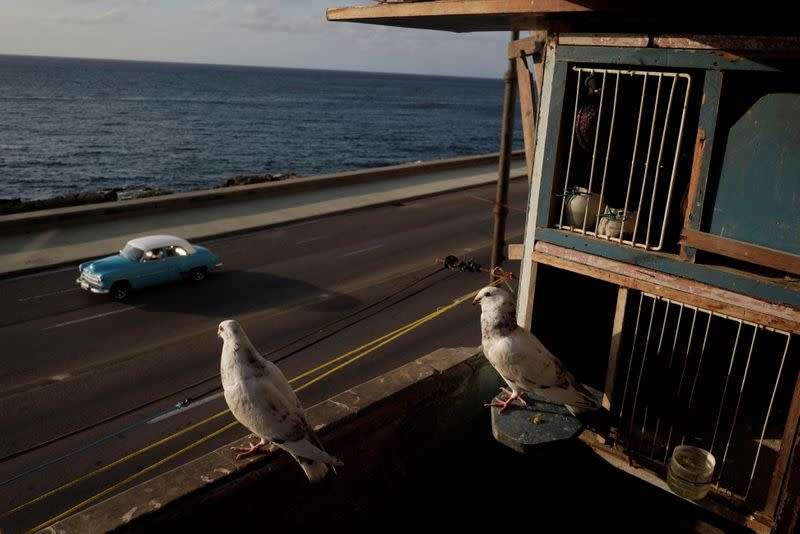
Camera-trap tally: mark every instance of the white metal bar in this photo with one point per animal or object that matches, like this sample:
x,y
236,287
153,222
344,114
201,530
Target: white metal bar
x,y
766,419
675,160
608,151
657,171
725,387
629,72
630,360
683,373
738,404
700,361
647,158
658,356
594,153
569,157
633,155
641,367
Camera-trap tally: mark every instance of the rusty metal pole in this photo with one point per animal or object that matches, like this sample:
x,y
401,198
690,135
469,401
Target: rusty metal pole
x,y
506,139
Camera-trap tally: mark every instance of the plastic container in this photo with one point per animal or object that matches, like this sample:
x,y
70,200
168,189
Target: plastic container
x,y
690,472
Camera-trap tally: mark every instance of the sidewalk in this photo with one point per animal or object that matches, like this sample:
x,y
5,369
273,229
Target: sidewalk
x,y
54,245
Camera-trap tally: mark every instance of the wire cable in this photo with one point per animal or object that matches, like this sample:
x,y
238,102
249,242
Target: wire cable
x,y
360,353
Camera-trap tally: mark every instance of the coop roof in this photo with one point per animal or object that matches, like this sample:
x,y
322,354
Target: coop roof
x,y
595,16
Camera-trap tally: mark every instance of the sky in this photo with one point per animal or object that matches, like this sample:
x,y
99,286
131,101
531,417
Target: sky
x,y
276,33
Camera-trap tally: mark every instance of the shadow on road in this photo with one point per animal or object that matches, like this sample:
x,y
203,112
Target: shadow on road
x,y
230,293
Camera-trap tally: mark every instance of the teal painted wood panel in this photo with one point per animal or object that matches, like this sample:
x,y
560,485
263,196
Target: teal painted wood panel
x,y
674,266
758,194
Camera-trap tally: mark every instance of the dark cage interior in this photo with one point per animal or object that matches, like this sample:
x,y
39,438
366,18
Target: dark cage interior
x,y
625,154
690,376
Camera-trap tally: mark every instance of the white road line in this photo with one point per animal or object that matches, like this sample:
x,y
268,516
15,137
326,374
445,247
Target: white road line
x,y
44,273
194,404
361,250
311,239
59,325
25,299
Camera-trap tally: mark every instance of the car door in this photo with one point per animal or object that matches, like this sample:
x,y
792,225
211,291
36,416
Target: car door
x,y
176,259
153,268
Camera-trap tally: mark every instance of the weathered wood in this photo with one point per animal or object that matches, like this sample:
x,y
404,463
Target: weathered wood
x,y
465,7
701,164
613,352
680,289
787,467
527,102
783,261
515,251
605,39
728,42
528,270
779,291
527,46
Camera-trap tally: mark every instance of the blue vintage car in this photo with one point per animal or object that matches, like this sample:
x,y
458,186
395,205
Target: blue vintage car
x,y
146,261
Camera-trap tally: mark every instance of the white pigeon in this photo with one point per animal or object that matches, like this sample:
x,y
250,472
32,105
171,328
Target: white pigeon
x,y
521,359
262,400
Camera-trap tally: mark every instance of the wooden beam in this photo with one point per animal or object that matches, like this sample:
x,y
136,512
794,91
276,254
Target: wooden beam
x,y
787,467
728,42
515,251
466,7
776,259
613,352
527,104
606,39
711,298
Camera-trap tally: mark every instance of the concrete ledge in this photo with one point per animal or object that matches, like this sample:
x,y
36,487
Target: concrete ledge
x,y
218,475
177,201
418,454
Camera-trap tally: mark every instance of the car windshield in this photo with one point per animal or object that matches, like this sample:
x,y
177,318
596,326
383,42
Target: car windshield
x,y
131,253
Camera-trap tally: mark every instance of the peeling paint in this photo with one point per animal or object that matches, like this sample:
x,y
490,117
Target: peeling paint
x,y
129,514
154,504
207,479
223,470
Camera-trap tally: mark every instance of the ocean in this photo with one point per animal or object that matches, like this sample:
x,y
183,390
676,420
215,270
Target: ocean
x,y
72,125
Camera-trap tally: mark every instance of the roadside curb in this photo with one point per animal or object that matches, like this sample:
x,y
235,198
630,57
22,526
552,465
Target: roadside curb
x,y
22,222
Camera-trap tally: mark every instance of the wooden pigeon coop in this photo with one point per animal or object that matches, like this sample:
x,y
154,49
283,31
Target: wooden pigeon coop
x,y
661,259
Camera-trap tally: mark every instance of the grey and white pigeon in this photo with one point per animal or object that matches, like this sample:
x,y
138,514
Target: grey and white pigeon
x,y
521,359
262,400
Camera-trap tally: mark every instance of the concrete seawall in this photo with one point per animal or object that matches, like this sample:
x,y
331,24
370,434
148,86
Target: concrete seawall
x,y
23,222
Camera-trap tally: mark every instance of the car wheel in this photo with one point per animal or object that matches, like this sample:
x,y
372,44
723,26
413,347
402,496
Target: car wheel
x,y
197,275
120,290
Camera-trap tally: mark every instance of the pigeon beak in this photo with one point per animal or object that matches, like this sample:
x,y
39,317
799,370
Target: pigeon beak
x,y
475,301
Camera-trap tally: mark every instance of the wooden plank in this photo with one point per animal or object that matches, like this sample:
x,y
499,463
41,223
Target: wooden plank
x,y
728,42
515,251
528,270
783,261
787,466
528,112
467,7
668,58
778,291
701,164
605,39
687,291
613,352
527,46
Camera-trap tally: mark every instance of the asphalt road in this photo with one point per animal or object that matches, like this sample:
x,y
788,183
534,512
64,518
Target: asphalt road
x,y
70,359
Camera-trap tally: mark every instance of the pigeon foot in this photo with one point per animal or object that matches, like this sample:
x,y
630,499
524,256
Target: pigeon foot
x,y
244,452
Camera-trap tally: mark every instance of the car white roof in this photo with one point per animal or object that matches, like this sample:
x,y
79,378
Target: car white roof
x,y
150,242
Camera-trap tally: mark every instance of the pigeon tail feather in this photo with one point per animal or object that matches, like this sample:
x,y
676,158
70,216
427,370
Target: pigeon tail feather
x,y
315,471
306,449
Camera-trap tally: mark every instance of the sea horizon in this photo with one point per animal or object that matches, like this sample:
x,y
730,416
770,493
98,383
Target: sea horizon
x,y
244,66
70,125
